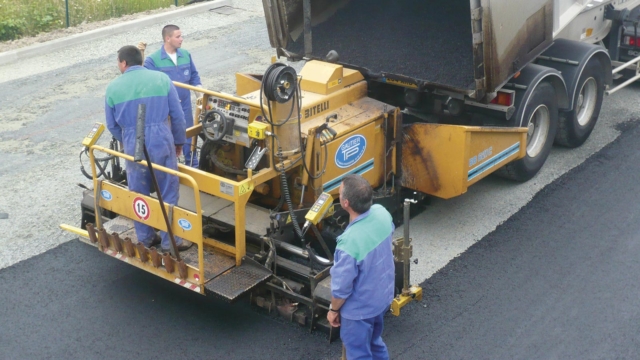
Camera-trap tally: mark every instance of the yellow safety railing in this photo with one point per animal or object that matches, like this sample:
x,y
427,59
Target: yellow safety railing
x,y
124,209
237,192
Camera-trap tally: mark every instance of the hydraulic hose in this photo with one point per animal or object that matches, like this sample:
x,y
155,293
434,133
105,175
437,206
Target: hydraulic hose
x,y
287,197
101,170
314,257
269,83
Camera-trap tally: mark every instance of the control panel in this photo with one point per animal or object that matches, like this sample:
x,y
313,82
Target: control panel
x,y
94,135
319,208
236,111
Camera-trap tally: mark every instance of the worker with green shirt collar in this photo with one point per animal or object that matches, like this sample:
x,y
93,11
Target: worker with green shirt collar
x,y
363,274
178,64
163,138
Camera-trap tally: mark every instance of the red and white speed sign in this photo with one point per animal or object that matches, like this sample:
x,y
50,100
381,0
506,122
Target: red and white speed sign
x,y
141,208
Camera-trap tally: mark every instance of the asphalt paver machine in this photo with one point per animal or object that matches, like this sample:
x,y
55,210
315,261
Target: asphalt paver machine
x,y
506,80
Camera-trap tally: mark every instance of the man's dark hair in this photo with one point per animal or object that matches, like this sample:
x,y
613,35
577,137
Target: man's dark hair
x,y
358,191
130,55
168,30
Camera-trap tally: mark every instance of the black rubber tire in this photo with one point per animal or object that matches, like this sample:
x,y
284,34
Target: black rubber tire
x,y
570,133
526,168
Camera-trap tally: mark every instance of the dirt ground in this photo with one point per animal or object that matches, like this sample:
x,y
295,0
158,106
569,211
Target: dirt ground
x,y
84,27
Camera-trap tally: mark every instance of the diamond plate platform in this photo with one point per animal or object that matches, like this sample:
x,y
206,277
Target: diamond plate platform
x,y
237,281
123,226
119,224
214,263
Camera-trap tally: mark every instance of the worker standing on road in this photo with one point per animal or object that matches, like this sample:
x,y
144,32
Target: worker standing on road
x,y
363,274
163,140
178,64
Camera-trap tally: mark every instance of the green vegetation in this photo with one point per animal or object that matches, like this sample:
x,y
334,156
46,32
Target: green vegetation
x,y
20,18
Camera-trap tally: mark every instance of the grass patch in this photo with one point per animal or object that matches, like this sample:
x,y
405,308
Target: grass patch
x,y
19,18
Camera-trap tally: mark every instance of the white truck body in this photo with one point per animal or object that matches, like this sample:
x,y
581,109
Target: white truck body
x,y
468,47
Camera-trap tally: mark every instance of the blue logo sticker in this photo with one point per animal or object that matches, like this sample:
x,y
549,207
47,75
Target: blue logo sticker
x,y
184,224
106,195
350,151
186,72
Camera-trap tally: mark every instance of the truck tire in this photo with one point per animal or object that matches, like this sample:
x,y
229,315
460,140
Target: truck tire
x,y
541,117
574,127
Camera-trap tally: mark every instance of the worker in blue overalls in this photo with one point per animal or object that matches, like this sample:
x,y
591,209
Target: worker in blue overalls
x,y
164,138
363,274
178,64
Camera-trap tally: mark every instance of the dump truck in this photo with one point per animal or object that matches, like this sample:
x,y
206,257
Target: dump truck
x,y
420,98
536,64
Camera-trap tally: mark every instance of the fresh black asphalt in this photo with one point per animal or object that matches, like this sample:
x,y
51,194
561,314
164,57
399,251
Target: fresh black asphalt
x,y
558,280
423,40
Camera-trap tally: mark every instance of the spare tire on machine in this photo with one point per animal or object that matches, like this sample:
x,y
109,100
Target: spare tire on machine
x,y
541,118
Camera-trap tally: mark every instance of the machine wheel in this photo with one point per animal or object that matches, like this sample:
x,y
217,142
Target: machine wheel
x,y
541,118
574,127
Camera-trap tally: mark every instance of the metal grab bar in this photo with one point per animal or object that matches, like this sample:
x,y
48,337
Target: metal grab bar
x,y
635,61
217,94
623,66
186,177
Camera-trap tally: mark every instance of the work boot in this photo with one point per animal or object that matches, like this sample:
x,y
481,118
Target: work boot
x,y
155,241
185,245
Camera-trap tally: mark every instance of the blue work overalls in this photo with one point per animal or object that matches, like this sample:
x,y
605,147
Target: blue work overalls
x,y
141,86
184,72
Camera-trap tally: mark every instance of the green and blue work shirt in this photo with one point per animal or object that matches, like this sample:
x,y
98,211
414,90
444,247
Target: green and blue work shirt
x,y
363,272
124,94
184,71
138,85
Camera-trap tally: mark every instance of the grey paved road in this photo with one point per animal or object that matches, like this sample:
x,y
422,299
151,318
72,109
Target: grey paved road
x,y
557,280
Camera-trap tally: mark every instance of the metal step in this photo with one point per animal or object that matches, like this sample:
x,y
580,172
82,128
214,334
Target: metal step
x,y
214,263
123,226
237,281
256,217
323,290
294,267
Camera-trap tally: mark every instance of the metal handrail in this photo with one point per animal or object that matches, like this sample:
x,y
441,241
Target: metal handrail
x,y
623,66
635,61
217,94
188,178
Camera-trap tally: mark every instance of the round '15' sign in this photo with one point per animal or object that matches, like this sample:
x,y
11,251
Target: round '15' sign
x,y
141,208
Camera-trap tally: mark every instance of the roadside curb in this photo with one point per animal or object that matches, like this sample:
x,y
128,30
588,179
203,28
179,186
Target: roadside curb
x,y
57,44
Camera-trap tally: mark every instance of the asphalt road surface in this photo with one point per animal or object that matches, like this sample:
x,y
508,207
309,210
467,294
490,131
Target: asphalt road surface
x,y
552,281
558,280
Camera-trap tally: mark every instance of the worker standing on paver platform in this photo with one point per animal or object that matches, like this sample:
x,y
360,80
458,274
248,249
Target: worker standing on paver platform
x,y
178,64
362,277
163,139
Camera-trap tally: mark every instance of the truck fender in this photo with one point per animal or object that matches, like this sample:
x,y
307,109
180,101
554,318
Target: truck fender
x,y
570,58
525,83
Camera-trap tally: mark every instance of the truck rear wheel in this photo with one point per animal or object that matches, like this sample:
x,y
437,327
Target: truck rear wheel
x,y
541,118
574,127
